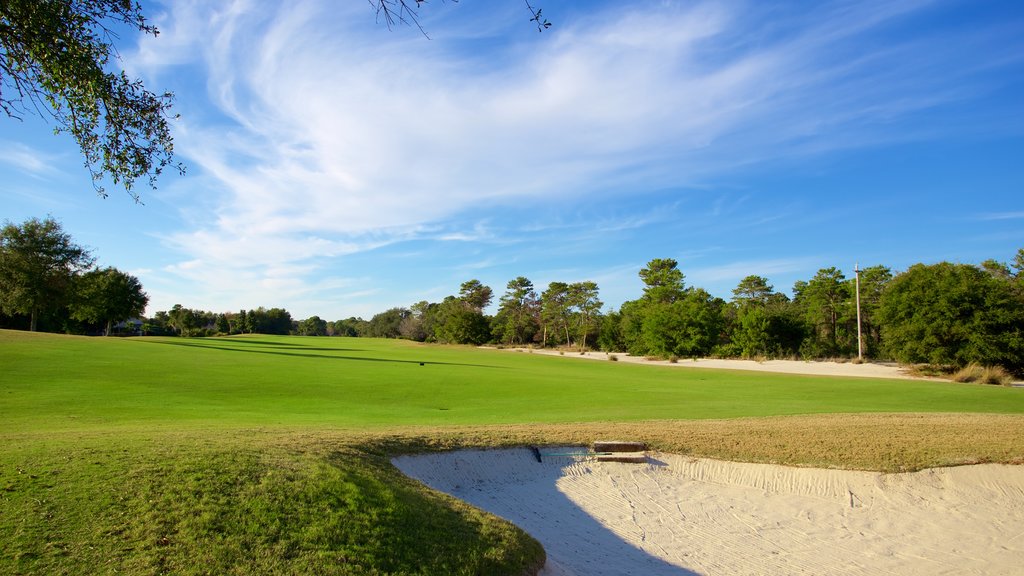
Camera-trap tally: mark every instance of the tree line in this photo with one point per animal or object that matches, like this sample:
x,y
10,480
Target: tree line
x,y
49,282
942,314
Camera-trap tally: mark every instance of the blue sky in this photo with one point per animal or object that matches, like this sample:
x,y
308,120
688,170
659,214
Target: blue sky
x,y
339,168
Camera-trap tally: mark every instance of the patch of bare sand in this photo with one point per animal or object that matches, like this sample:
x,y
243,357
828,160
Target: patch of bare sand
x,y
863,370
677,516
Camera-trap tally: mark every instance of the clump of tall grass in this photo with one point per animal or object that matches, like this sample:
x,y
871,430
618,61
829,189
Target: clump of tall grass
x,y
975,372
930,371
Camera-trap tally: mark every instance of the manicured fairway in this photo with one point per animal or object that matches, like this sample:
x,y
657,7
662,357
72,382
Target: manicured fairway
x,y
58,382
269,455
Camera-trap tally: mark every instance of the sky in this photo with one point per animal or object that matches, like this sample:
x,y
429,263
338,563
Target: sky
x,y
336,167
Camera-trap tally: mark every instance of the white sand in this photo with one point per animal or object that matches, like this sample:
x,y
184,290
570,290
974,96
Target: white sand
x,y
864,370
677,515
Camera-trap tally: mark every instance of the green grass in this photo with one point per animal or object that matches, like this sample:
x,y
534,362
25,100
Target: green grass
x,y
54,383
270,454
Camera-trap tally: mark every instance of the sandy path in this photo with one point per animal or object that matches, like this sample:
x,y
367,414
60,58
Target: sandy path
x,y
678,516
865,370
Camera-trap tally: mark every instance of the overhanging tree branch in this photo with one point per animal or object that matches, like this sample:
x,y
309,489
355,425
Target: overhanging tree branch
x,y
406,12
54,57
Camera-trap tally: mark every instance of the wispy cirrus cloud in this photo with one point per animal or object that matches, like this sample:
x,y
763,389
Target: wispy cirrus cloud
x,y
318,135
28,160
1010,215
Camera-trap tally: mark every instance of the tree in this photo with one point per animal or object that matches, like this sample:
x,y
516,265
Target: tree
x,y
38,261
663,281
610,337
313,326
475,295
223,324
182,320
953,314
764,323
420,323
753,289
1018,265
237,322
825,299
582,298
688,327
517,312
554,312
1014,272
272,321
351,327
458,324
54,60
108,296
387,324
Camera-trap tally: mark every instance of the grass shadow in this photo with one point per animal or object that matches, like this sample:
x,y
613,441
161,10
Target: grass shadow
x,y
205,346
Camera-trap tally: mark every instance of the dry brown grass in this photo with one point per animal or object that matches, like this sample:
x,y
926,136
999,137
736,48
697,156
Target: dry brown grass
x,y
973,372
882,442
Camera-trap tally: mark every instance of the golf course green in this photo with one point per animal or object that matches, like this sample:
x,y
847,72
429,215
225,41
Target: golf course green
x,y
260,454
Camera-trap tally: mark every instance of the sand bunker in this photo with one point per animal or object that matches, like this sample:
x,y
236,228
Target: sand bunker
x,y
677,515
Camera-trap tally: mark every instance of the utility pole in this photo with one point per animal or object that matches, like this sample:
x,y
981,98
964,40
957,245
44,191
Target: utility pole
x,y
860,339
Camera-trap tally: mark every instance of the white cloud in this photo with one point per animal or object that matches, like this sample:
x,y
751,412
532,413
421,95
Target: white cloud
x,y
1010,215
328,136
28,160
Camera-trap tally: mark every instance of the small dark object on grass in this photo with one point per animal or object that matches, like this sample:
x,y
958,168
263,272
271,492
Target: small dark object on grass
x,y
423,363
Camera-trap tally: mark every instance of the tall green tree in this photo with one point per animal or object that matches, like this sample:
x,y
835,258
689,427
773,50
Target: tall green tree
x,y
38,261
826,301
57,59
586,307
352,327
387,324
183,320
763,323
313,326
458,323
518,311
953,314
223,324
752,289
475,295
554,313
107,296
688,327
610,339
669,319
663,281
